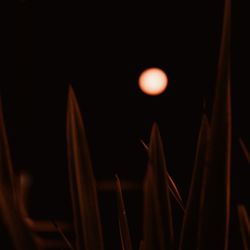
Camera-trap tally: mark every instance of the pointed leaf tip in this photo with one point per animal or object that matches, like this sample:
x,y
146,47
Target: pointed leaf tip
x,y
70,89
86,214
122,217
172,186
158,221
155,129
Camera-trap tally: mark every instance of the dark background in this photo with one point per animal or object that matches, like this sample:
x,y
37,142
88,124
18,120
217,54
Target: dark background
x,y
101,49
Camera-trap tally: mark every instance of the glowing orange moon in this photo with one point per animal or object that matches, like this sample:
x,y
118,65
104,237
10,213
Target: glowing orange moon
x,y
153,81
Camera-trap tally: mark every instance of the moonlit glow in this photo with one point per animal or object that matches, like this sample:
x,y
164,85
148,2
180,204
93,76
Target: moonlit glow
x,y
153,81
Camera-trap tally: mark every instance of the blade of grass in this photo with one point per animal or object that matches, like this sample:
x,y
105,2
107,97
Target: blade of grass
x,y
123,222
215,196
188,238
244,150
83,184
172,186
151,231
175,192
60,231
7,179
158,224
244,226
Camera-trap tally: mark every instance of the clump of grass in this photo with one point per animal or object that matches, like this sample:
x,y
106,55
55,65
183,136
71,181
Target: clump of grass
x,y
206,215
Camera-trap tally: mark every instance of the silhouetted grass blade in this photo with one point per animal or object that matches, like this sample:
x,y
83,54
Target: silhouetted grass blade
x,y
60,231
244,226
244,150
151,231
158,225
15,232
123,222
189,231
175,192
172,186
215,196
7,179
83,185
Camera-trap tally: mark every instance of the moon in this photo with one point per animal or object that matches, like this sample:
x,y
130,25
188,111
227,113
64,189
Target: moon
x,y
153,81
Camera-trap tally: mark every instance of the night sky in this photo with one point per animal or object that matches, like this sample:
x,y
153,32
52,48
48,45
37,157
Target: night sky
x,y
101,49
